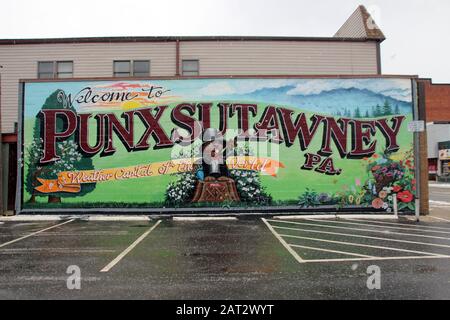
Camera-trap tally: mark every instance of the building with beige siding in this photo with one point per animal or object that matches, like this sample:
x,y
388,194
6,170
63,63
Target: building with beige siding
x,y
353,50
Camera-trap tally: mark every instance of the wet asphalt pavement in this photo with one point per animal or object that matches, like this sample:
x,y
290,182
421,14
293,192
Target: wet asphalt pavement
x,y
439,193
237,259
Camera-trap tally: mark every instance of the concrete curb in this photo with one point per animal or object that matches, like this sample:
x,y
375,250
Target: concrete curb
x,y
203,218
118,218
80,217
340,216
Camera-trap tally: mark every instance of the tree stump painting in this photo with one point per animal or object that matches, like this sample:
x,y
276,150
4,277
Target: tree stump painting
x,y
216,190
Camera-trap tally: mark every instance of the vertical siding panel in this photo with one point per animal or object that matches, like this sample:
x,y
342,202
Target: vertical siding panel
x,y
278,57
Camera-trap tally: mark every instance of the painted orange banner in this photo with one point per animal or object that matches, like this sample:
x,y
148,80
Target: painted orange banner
x,y
70,181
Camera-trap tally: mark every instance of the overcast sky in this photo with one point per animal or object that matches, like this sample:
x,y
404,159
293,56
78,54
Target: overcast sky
x,y
416,30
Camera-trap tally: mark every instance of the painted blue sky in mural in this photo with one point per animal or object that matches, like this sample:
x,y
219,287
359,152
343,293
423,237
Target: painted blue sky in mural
x,y
318,95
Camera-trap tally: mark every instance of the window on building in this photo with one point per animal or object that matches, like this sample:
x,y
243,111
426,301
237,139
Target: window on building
x,y
128,68
46,70
55,69
122,68
190,68
141,68
64,69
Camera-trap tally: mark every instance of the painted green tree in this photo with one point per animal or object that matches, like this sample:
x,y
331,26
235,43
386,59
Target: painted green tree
x,y
377,111
71,158
387,108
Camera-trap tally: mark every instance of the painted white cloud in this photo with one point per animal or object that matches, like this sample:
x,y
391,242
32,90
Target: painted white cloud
x,y
243,86
399,89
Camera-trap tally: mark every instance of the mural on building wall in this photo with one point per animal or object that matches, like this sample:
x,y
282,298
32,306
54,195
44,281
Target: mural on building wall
x,y
228,143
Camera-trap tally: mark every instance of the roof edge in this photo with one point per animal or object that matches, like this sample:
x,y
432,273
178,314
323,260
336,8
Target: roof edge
x,y
174,39
247,76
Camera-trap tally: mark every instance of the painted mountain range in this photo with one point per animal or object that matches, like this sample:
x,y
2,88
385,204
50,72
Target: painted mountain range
x,y
330,102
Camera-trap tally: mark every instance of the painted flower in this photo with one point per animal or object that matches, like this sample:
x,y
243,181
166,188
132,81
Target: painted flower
x,y
383,194
405,196
396,189
375,168
350,199
377,203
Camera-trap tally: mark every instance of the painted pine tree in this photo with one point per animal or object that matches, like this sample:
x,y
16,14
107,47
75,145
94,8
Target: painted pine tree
x,y
378,111
387,109
71,159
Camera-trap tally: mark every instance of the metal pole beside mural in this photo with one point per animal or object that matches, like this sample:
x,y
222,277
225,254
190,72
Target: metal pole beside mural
x,y
417,129
20,151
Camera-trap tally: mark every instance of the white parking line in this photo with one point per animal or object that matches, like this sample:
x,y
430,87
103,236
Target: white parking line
x,y
375,226
284,243
439,218
402,224
34,233
131,247
361,257
365,237
54,250
358,229
435,203
332,251
376,259
363,245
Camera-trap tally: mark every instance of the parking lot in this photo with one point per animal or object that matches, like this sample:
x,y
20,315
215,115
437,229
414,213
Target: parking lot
x,y
257,258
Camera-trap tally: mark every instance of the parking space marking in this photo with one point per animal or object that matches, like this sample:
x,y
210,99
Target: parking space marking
x,y
34,233
358,229
54,250
366,237
362,245
131,247
376,259
361,256
329,250
284,243
402,224
439,218
376,226
443,204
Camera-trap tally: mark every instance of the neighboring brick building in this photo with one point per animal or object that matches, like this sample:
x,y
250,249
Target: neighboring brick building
x,y
437,102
